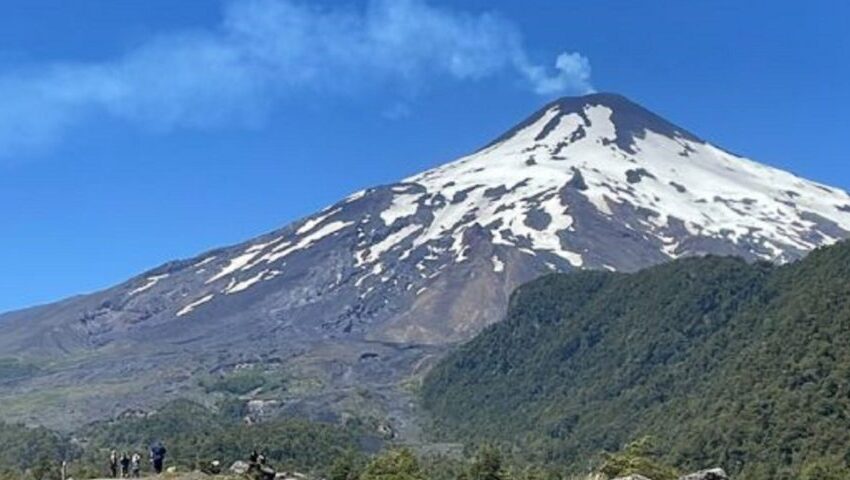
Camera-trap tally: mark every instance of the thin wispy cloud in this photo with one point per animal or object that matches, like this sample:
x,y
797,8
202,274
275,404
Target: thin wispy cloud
x,y
265,51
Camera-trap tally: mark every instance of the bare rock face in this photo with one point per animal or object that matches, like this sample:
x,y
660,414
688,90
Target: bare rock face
x,y
371,290
713,474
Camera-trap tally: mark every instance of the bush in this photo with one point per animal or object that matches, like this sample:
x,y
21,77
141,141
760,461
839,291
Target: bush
x,y
824,470
637,458
237,383
399,464
487,465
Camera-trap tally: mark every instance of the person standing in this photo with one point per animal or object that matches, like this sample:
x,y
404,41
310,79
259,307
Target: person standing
x,y
113,464
125,465
158,456
135,464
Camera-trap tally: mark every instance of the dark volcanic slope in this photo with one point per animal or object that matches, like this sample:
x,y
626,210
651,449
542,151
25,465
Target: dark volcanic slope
x,y
364,293
724,362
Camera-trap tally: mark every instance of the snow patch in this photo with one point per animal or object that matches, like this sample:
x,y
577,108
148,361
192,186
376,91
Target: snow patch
x,y
243,260
245,284
313,222
150,282
375,251
403,205
310,240
204,261
188,308
498,264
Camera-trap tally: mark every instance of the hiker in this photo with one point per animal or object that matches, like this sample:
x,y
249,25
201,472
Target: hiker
x,y
125,465
157,456
257,468
113,464
135,464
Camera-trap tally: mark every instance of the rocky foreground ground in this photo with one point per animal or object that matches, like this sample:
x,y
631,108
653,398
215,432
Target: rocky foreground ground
x,y
712,474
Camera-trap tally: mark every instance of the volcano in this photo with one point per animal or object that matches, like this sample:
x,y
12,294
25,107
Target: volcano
x,y
349,304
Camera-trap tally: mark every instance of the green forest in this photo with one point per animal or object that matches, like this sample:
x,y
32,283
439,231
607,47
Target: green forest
x,y
724,363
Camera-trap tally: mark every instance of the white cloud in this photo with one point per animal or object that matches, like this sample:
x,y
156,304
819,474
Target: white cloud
x,y
573,75
267,50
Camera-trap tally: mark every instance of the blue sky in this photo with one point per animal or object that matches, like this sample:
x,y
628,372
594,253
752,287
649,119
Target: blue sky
x,y
135,132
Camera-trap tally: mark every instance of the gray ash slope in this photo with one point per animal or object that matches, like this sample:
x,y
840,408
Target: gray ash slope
x,y
353,301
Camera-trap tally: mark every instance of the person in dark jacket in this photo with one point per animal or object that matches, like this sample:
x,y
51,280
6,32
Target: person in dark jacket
x,y
158,456
125,465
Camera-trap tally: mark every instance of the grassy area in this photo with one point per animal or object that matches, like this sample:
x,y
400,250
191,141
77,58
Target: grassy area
x,y
12,369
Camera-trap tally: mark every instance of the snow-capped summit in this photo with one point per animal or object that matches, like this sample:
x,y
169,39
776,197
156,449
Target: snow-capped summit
x,y
368,290
605,156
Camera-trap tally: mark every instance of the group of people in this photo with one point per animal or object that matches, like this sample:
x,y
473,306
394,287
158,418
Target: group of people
x,y
127,465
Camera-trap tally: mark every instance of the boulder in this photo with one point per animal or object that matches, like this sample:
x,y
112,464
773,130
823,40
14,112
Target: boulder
x,y
290,476
239,467
265,472
713,474
212,468
633,476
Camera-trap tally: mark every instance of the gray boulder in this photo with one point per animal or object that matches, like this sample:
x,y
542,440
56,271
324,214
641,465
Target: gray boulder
x,y
239,467
632,477
712,474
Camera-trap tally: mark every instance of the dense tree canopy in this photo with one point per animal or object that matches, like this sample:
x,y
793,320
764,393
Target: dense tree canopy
x,y
725,363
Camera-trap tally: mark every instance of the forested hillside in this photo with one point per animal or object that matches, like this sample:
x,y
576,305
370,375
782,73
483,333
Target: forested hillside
x,y
194,435
723,362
